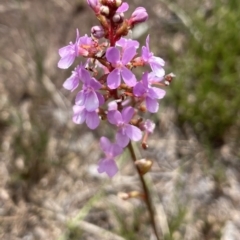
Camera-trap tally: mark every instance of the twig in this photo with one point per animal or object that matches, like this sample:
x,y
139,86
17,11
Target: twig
x,y
148,199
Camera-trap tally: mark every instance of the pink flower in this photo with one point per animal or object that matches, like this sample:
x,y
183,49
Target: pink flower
x,y
120,70
80,115
148,93
125,131
68,54
156,63
108,164
88,96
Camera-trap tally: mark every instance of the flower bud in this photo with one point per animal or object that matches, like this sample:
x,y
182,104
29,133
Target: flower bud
x,y
97,32
132,194
138,16
104,10
168,78
118,3
144,165
95,5
118,17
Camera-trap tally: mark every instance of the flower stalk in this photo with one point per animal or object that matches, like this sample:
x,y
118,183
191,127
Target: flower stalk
x,y
147,196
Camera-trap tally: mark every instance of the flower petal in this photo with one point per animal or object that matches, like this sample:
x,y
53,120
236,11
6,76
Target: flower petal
x,y
80,98
122,140
72,82
133,132
152,105
113,55
95,84
79,114
105,144
114,117
91,101
66,61
155,92
123,8
92,120
127,114
128,54
128,77
139,89
101,99
108,166
114,79
116,150
64,51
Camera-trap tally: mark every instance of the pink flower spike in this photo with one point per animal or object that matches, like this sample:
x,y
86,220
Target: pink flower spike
x,y
68,53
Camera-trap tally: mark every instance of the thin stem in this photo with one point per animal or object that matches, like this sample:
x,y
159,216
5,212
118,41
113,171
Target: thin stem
x,y
148,199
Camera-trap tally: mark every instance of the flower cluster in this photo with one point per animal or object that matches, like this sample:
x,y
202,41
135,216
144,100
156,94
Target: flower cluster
x,y
107,86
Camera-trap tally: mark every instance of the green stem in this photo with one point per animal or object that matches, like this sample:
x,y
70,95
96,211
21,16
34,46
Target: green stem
x,y
148,199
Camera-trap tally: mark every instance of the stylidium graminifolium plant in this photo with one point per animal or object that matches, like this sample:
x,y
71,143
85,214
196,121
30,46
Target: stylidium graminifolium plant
x,y
108,89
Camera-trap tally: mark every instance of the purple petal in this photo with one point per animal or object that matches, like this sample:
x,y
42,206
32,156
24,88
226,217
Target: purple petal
x,y
155,92
114,117
156,65
123,8
126,43
72,82
122,140
145,80
105,144
133,132
95,84
109,166
91,101
139,89
86,77
145,54
153,78
128,55
128,77
113,55
66,61
116,150
101,99
147,43
114,79
79,114
92,120
127,114
152,105
77,35
80,98
64,51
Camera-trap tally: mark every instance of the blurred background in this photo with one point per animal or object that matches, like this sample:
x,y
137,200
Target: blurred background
x,y
49,187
